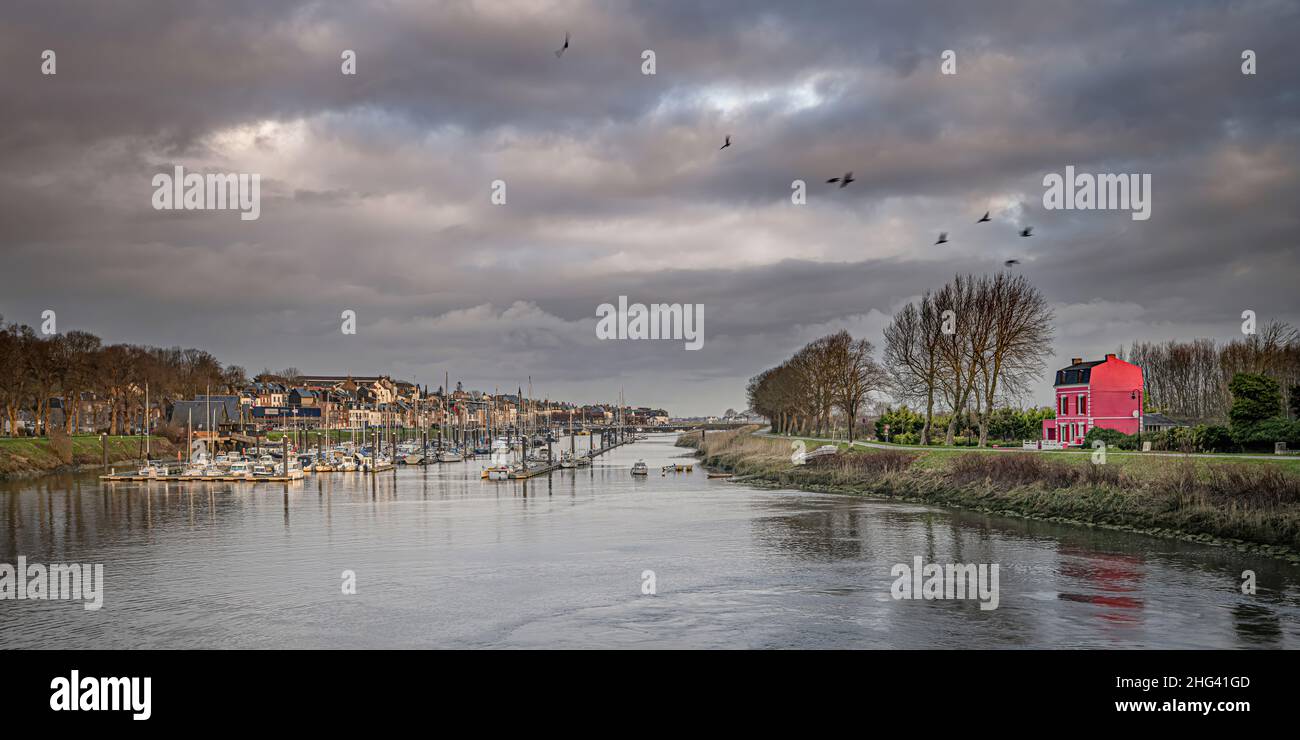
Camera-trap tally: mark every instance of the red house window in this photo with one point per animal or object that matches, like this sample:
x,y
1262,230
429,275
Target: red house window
x,y
1065,405
1083,405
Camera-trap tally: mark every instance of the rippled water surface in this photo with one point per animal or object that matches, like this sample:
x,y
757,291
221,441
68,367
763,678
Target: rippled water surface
x,y
444,559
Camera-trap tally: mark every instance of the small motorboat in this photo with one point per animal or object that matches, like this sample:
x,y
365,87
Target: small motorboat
x,y
240,469
640,468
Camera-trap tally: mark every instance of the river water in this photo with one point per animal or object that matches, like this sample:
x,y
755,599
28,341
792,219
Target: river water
x,y
444,559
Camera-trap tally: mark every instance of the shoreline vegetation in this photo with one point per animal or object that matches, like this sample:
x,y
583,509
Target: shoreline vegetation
x,y
27,457
1250,507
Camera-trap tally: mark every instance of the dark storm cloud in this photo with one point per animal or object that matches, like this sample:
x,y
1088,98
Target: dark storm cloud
x,y
375,187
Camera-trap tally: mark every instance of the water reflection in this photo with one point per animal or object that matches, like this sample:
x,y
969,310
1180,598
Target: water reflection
x,y
1109,579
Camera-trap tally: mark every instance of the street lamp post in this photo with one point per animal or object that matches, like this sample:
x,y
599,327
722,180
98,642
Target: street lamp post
x,y
1137,412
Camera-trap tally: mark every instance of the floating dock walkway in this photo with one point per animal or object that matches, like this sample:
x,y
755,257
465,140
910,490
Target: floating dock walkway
x,y
533,472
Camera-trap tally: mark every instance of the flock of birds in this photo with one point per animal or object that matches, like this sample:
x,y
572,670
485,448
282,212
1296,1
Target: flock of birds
x,y
844,180
1026,232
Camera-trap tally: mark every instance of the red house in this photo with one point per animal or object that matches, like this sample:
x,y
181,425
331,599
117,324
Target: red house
x,y
1104,393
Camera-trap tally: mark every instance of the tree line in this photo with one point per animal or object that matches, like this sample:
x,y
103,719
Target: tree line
x,y
966,346
955,352
100,385
1191,380
800,395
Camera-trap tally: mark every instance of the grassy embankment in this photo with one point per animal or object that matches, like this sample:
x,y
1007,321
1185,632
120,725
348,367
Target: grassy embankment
x,y
25,456
1253,507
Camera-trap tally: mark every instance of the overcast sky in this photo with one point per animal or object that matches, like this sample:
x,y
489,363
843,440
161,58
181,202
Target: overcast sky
x,y
376,187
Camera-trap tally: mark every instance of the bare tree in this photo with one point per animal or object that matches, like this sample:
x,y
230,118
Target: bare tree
x,y
1019,321
912,355
855,374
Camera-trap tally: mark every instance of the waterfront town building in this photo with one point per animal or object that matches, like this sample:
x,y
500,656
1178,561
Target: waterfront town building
x,y
1102,393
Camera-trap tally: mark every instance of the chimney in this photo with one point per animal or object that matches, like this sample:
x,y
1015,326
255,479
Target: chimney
x,y
1111,356
1076,361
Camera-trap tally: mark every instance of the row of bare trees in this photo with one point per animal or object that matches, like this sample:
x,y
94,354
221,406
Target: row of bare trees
x,y
100,386
966,346
801,394
1189,379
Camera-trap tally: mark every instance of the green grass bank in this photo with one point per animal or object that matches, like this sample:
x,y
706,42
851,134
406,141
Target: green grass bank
x,y
1251,507
22,457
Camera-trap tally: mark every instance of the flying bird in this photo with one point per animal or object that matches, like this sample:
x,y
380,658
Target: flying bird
x,y
986,218
562,48
1027,231
943,238
1011,263
727,144
843,181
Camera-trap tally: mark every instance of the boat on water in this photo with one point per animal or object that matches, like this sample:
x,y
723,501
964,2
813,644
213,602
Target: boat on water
x,y
152,470
373,464
450,455
568,460
240,469
497,472
640,468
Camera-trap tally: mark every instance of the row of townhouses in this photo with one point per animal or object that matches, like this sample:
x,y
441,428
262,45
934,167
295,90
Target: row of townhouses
x,y
354,402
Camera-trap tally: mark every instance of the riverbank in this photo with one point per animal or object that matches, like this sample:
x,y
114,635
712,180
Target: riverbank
x,y
25,457
1250,507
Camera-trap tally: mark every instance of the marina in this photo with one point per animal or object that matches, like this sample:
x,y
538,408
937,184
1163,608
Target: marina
x,y
444,558
292,464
